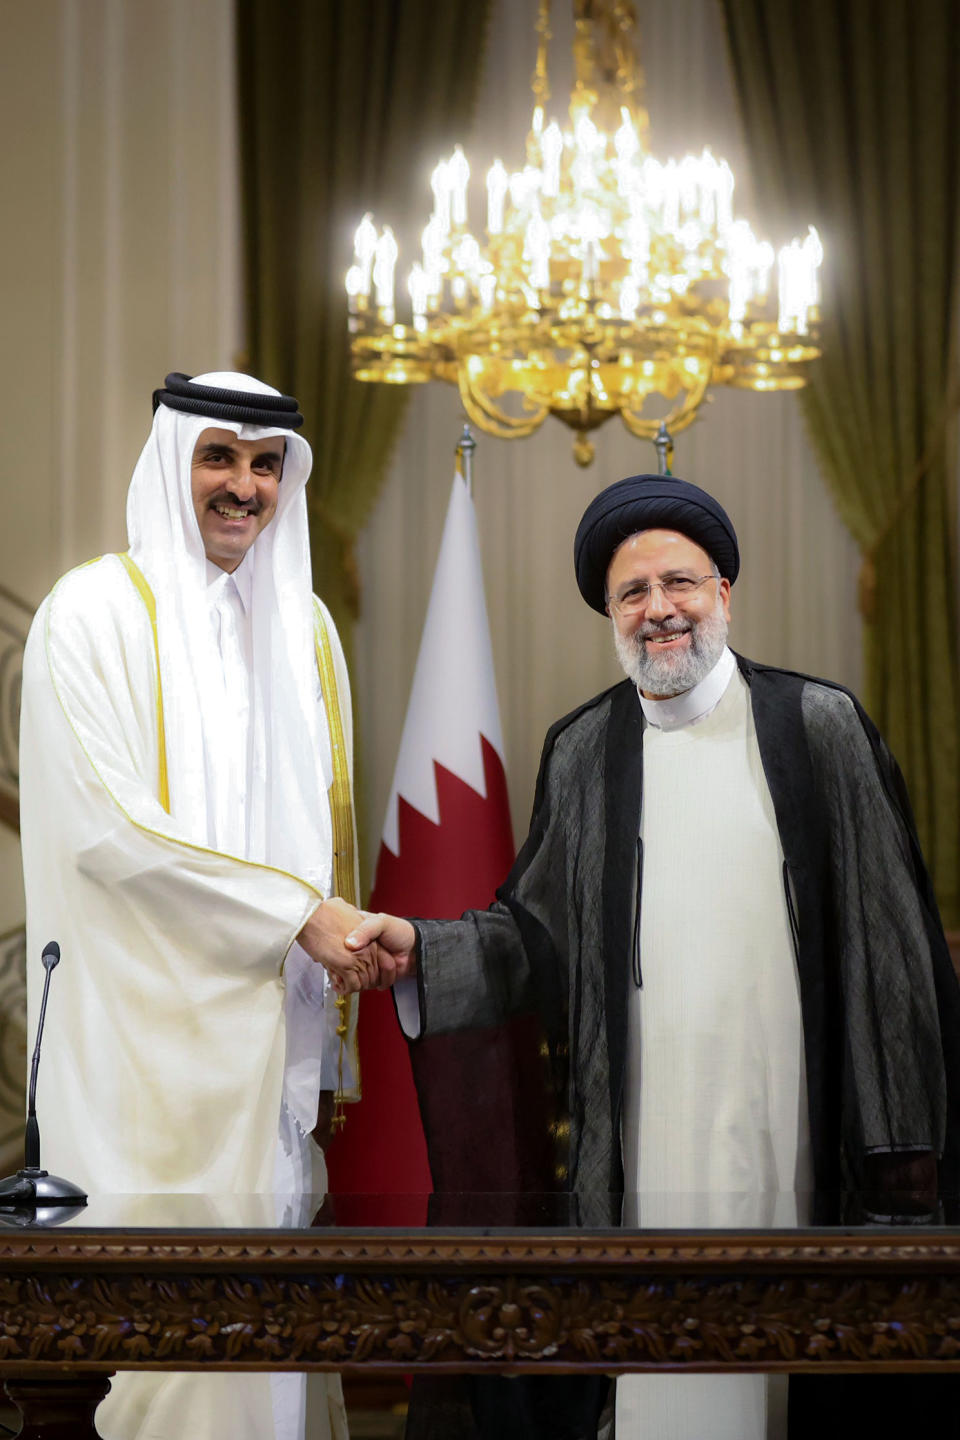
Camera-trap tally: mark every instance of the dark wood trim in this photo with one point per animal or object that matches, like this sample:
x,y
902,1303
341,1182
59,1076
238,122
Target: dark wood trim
x,y
412,1251
437,1302
58,1409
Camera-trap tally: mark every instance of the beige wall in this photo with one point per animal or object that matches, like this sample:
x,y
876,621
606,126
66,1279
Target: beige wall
x,y
120,261
119,253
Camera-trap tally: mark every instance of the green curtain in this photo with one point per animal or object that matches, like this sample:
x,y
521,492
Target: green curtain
x,y
852,116
345,106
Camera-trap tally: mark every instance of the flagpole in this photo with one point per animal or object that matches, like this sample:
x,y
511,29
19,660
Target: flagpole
x,y
465,448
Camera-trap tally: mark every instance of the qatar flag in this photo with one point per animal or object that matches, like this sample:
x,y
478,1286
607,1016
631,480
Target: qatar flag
x,y
447,844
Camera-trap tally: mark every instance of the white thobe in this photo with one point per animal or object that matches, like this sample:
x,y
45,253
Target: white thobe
x,y
715,1127
164,1057
300,1168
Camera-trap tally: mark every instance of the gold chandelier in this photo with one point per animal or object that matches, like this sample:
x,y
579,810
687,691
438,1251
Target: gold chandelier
x,y
609,282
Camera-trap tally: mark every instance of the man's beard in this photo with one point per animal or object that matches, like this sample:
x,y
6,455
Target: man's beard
x,y
674,671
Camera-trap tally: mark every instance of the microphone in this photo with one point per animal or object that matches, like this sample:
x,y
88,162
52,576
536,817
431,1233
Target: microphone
x,y
33,1188
31,1143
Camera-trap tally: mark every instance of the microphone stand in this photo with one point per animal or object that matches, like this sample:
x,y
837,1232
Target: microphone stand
x,y
33,1191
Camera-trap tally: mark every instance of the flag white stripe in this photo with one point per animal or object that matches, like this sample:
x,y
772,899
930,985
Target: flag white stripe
x,y
453,700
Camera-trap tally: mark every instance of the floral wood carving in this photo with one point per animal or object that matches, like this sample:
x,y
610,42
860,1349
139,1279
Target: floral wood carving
x,y
110,1320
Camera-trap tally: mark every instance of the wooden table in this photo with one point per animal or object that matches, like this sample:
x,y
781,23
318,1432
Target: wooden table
x,y
79,1302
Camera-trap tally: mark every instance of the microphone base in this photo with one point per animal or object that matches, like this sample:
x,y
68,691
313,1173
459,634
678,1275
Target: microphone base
x,y
31,1187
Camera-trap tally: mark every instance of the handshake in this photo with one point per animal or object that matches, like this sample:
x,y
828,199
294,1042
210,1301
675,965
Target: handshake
x,y
359,950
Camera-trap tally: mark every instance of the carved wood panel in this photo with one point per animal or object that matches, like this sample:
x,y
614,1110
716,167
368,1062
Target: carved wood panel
x,y
425,1302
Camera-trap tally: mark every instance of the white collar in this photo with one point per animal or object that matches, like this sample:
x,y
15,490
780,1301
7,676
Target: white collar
x,y
242,579
692,705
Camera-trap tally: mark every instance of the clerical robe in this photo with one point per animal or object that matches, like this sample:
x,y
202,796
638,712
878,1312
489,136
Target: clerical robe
x,y
879,998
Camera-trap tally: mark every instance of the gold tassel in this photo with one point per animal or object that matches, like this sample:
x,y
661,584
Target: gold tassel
x,y
343,1026
867,588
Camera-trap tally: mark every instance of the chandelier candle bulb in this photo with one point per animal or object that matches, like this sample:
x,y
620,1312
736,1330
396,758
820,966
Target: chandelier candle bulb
x,y
498,183
552,151
583,168
466,258
365,250
625,141
432,242
797,267
518,190
458,170
787,318
419,286
671,198
353,284
440,185
629,300
383,268
725,184
587,136
763,264
638,250
709,188
689,178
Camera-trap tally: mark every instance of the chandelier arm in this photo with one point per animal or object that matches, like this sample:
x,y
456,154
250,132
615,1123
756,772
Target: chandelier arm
x,y
521,424
675,420
483,413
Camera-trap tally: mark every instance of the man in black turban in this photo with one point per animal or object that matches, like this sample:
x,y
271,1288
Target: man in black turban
x,y
780,1013
674,646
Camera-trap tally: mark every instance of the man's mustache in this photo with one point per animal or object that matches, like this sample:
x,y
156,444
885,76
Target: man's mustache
x,y
648,631
226,497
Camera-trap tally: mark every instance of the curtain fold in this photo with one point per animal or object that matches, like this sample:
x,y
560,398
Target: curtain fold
x,y
852,116
344,106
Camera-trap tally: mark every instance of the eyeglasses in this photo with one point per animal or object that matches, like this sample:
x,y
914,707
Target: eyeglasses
x,y
677,588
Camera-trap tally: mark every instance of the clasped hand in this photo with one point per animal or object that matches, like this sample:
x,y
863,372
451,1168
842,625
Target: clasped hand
x,y
359,950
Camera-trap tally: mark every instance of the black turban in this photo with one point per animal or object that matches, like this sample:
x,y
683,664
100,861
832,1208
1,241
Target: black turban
x,y
249,407
649,502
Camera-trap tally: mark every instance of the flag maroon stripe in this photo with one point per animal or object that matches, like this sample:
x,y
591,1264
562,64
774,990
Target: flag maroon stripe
x,y
441,870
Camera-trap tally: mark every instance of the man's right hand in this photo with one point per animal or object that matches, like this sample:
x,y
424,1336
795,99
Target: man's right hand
x,y
392,940
360,951
323,939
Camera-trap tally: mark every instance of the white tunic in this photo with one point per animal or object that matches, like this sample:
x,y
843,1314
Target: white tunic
x,y
715,1125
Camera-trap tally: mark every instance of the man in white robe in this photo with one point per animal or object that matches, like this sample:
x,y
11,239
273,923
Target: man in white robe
x,y
185,713
719,1051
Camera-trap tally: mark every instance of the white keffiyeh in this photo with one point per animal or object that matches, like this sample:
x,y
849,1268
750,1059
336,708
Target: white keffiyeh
x,y
288,821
